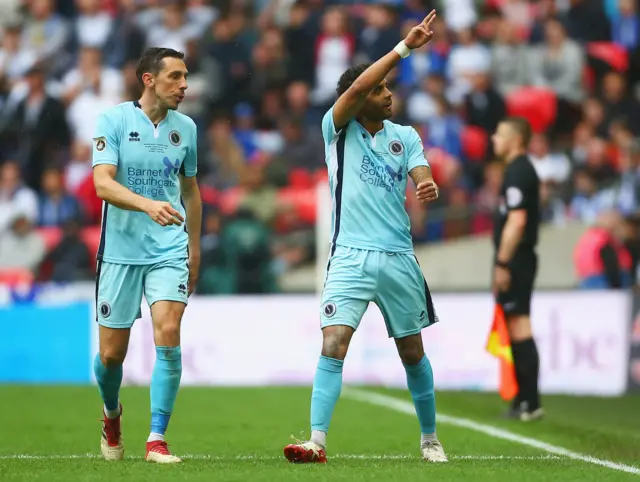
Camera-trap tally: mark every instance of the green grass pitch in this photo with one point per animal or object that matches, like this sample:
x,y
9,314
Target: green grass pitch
x,y
234,434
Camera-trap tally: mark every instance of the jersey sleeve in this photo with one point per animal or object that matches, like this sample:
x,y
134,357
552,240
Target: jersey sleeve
x,y
415,151
516,189
190,165
106,141
329,132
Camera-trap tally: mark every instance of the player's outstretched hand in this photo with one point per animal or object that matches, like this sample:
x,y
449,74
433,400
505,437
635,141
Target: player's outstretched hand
x,y
422,33
427,192
164,214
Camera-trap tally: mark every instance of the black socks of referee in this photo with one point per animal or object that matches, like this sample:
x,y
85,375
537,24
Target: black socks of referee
x,y
527,365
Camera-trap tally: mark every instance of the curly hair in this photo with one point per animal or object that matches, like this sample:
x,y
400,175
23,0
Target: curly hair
x,y
349,77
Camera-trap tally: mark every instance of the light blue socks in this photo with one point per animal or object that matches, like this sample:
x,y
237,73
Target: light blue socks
x,y
420,382
327,385
165,382
109,381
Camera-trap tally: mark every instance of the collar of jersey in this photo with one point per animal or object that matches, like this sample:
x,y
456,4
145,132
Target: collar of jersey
x,y
137,105
384,127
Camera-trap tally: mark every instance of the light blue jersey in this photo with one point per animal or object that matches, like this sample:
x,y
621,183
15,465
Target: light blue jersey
x,y
368,181
149,159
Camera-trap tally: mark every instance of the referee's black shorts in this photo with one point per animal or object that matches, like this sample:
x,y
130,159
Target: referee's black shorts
x,y
524,267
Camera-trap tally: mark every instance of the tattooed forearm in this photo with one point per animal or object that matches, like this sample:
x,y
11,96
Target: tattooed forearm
x,y
420,174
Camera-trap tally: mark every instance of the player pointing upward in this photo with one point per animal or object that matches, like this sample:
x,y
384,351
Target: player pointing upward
x,y
372,258
145,163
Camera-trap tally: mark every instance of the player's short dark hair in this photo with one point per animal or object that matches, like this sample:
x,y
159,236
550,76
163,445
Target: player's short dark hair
x,y
349,77
522,128
152,59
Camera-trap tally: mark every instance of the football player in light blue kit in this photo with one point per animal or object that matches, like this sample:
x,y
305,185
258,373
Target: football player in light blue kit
x,y
369,159
145,163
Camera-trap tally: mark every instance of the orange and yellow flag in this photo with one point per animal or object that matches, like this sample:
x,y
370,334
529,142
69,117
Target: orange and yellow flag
x,y
499,345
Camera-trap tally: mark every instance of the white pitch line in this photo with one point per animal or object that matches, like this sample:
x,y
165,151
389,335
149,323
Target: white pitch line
x,y
260,458
404,406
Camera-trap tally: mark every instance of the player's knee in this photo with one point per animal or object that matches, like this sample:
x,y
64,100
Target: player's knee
x,y
410,350
335,342
167,332
411,355
166,317
112,356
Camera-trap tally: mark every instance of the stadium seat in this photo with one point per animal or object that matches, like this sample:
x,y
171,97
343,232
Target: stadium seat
x,y
537,105
443,164
474,143
230,200
610,53
209,195
15,276
51,236
320,175
304,201
481,224
589,77
91,203
300,178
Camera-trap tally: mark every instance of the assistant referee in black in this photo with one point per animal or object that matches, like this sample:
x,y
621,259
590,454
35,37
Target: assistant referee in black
x,y
515,238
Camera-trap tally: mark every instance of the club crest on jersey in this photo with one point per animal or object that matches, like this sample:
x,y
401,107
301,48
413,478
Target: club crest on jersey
x,y
101,144
105,309
175,138
329,309
396,148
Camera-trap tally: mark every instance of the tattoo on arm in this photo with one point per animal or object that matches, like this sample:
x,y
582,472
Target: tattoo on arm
x,y
420,174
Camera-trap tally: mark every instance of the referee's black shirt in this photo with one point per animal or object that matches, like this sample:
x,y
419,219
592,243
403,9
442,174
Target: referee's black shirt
x,y
520,190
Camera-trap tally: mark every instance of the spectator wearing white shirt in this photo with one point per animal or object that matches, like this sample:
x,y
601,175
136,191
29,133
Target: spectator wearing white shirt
x,y
84,77
21,246
628,191
88,90
508,60
79,167
15,196
459,14
93,25
558,64
15,61
421,104
550,166
467,58
46,33
588,202
334,50
175,29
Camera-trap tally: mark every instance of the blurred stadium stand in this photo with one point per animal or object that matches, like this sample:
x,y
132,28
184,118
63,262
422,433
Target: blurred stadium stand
x,y
262,75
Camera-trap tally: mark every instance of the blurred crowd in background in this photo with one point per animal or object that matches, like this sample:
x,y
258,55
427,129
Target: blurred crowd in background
x,y
262,74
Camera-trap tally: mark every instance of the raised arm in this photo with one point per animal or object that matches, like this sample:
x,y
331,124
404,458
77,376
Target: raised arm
x,y
351,101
